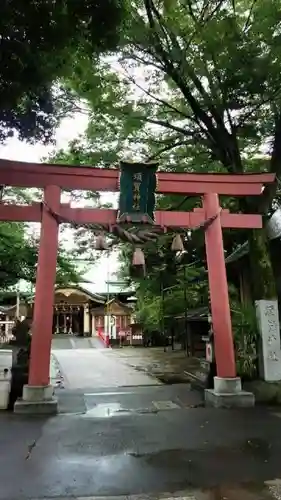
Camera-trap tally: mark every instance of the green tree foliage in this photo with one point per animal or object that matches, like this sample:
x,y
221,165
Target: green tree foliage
x,y
38,40
195,84
19,254
216,103
19,247
157,310
169,287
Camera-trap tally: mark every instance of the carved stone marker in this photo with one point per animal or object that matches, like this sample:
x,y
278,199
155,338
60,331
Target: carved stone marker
x,y
270,348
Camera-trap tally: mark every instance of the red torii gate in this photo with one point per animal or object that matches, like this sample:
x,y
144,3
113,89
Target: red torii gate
x,y
52,178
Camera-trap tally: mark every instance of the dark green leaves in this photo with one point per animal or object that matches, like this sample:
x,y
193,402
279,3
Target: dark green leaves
x,y
37,42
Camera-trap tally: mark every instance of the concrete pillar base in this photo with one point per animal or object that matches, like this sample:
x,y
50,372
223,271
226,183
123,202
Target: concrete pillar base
x,y
227,393
37,400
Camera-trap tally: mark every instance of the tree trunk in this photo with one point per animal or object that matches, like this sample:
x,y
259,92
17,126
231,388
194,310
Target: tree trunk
x,y
262,276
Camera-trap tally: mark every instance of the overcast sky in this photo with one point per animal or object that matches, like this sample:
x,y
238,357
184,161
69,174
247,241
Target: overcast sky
x,y
21,151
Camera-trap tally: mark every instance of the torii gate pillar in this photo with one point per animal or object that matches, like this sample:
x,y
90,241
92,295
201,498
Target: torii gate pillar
x,y
227,386
221,319
38,394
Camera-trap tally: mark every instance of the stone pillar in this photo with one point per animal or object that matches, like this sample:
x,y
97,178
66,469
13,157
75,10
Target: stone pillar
x,y
270,349
227,387
37,396
86,322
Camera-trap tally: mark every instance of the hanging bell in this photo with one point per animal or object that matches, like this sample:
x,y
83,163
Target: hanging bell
x,y
177,244
138,257
137,269
100,242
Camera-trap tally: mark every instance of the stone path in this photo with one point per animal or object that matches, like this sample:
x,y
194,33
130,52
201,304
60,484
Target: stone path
x,y
71,342
82,368
271,490
169,366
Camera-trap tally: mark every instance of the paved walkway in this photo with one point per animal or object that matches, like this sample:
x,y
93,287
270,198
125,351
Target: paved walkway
x,y
88,368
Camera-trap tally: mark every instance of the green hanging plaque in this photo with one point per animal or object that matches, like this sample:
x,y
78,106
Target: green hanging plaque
x,y
138,182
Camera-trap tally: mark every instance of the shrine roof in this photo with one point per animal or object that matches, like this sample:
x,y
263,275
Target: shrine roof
x,y
240,252
101,309
122,304
6,309
92,296
94,291
197,314
107,288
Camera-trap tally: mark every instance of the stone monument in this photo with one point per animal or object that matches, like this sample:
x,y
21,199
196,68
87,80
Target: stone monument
x,y
270,348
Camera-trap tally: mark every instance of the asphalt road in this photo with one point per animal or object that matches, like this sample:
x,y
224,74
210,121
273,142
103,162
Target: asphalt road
x,y
146,450
120,434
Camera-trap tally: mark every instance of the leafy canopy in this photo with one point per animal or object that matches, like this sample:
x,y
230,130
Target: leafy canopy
x,y
38,40
194,83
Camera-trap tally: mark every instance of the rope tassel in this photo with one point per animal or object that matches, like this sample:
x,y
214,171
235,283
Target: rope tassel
x,y
177,244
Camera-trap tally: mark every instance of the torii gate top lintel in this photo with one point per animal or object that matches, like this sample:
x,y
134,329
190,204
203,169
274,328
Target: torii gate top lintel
x,y
40,175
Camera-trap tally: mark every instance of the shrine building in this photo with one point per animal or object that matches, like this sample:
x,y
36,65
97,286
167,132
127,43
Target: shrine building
x,y
78,311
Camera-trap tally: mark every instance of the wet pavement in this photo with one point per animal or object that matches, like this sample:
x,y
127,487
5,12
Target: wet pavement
x,y
130,400
121,435
206,453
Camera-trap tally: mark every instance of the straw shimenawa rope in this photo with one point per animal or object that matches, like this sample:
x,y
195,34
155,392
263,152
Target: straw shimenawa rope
x,y
134,235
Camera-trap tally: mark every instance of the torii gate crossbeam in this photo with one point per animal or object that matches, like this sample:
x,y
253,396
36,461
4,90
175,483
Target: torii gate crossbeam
x,y
53,178
21,174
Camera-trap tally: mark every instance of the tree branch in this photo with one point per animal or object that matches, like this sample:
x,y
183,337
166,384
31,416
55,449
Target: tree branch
x,y
163,123
198,111
221,141
165,149
157,99
247,23
190,10
275,167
